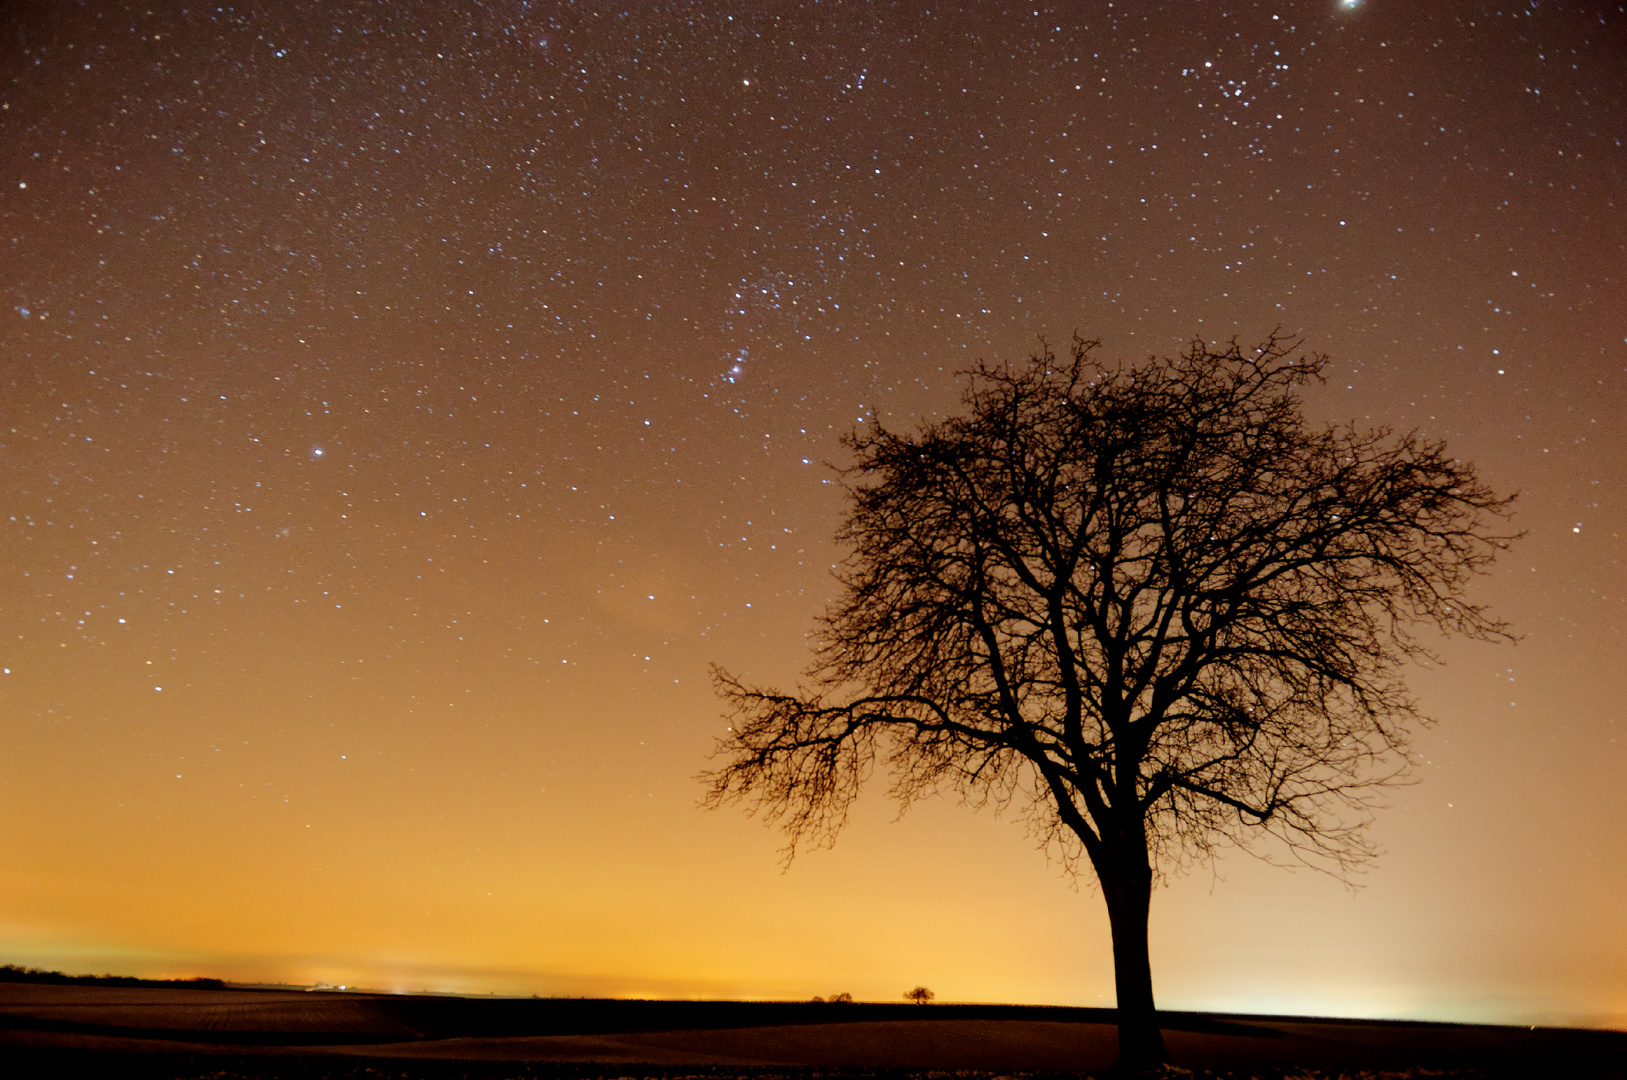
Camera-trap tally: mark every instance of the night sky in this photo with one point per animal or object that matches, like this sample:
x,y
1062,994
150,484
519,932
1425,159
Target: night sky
x,y
400,407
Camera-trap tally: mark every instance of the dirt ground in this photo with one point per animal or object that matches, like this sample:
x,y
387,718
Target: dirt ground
x,y
71,1031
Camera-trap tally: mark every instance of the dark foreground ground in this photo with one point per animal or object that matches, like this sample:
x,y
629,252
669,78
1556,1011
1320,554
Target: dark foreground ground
x,y
147,1034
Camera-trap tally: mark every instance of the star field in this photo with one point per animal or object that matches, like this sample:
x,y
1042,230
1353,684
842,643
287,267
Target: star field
x,y
401,406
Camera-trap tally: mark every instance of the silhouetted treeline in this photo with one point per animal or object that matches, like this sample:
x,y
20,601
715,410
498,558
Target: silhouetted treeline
x,y
13,973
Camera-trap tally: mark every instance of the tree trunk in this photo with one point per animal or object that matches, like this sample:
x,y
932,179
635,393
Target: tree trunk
x,y
1129,899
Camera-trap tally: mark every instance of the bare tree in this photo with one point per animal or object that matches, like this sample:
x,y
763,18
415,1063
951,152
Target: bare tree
x,y
1150,607
920,995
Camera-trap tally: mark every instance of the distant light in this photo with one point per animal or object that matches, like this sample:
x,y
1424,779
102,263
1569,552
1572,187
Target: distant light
x,y
316,452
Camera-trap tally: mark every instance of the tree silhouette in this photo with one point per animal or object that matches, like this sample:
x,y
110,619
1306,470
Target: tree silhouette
x,y
920,995
1149,607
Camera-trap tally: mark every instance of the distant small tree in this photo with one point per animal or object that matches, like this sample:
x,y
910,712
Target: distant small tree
x,y
920,995
844,998
1150,606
